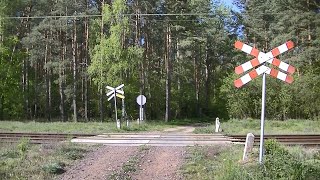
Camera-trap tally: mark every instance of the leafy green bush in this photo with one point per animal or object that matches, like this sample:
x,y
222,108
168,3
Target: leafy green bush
x,y
23,146
3,170
11,153
72,152
280,164
54,168
134,127
317,155
204,130
311,169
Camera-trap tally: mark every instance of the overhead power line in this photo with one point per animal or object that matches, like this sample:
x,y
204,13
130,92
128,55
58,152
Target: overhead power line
x,y
144,14
99,15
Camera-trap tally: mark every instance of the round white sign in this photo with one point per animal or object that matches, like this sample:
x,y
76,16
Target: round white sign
x,y
141,100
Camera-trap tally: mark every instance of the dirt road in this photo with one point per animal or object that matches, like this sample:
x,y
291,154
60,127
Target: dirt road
x,y
99,164
119,162
161,163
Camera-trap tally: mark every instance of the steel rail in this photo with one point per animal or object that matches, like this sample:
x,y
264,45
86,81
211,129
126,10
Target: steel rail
x,y
39,138
45,138
287,139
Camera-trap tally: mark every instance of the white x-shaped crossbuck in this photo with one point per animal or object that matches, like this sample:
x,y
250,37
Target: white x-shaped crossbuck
x,y
261,58
115,92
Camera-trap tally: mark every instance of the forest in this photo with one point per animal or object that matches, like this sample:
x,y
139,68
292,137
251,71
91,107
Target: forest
x,y
58,56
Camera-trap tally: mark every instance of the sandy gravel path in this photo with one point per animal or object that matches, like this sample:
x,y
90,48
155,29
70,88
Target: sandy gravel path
x,y
150,162
99,164
161,163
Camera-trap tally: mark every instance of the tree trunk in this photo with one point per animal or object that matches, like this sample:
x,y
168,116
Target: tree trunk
x,y
86,61
61,76
36,90
61,90
178,69
1,107
25,87
50,72
25,76
197,80
48,84
168,73
195,76
207,78
147,63
74,63
101,106
101,100
137,39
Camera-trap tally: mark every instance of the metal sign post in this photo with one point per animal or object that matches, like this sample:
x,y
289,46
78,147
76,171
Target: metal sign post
x,y
260,63
262,117
115,109
114,93
141,100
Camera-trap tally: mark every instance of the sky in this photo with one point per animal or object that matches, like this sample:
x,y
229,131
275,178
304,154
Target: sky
x,y
229,3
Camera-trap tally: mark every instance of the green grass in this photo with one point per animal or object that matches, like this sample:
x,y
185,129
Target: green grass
x,y
27,161
207,162
229,127
224,163
80,127
192,121
271,127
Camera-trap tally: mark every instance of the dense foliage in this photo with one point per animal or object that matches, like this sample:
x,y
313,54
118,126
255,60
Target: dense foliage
x,y
268,24
280,162
56,57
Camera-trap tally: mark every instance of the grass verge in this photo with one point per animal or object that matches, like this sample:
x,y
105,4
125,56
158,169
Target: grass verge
x,y
280,162
28,161
271,127
80,127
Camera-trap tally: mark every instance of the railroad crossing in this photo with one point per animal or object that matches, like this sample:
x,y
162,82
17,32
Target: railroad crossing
x,y
260,61
113,94
153,139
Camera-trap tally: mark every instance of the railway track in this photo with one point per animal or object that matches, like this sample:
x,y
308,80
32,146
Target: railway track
x,y
39,138
304,140
154,139
158,139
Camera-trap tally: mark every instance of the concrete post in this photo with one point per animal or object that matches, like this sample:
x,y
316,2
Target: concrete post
x,y
217,129
248,146
128,123
118,124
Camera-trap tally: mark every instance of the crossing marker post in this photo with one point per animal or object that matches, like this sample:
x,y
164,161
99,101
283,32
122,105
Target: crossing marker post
x,y
260,61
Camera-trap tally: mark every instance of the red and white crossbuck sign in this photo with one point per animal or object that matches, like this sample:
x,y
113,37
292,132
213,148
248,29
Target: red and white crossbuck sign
x,y
260,59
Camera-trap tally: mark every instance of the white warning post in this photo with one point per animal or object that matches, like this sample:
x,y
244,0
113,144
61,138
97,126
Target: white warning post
x,y
114,93
141,100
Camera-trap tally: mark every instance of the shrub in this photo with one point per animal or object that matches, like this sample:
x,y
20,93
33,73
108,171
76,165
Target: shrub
x,y
317,155
10,154
23,146
280,164
54,168
135,127
72,152
311,169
